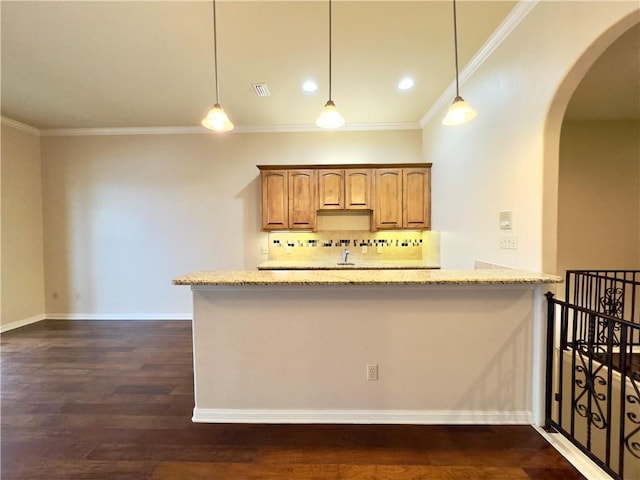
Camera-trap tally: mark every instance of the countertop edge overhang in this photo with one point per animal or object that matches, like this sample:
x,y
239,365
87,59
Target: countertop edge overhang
x,y
366,277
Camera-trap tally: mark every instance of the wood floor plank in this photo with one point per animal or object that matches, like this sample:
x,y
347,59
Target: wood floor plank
x,y
413,472
228,471
91,400
177,453
525,458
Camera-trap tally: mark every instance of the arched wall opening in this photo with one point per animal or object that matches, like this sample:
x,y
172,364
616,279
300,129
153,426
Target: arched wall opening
x,y
552,137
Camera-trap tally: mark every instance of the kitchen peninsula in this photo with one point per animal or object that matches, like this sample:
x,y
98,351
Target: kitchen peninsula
x,y
449,346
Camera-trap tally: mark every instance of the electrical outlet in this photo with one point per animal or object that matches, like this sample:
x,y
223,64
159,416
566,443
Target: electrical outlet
x,y
510,242
379,249
372,372
364,249
264,250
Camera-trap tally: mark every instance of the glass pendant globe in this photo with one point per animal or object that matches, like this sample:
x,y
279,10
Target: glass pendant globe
x,y
217,120
330,117
459,112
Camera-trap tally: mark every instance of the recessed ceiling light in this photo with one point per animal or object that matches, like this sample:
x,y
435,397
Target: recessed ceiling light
x,y
309,86
406,83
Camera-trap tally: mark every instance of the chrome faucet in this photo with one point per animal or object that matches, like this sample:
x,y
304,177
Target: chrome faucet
x,y
345,255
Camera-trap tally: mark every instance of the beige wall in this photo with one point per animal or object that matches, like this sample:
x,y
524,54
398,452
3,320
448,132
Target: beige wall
x,y
126,214
599,195
498,161
22,241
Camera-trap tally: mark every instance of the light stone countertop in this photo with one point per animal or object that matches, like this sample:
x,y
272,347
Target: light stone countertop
x,y
334,265
367,277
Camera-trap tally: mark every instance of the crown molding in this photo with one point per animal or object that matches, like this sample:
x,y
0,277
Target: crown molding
x,y
348,127
115,131
519,13
9,122
78,132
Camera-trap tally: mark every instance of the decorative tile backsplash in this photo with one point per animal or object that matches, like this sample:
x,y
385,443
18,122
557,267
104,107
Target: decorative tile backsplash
x,y
363,245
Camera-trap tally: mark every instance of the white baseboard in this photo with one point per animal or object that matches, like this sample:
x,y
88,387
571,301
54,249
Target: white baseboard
x,y
21,323
412,417
583,464
119,316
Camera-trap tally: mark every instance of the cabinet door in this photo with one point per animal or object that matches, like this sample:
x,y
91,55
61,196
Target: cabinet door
x,y
357,189
302,199
275,206
416,198
388,198
331,189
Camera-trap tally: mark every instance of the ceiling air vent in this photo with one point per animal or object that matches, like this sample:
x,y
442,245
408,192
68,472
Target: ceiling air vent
x,y
261,89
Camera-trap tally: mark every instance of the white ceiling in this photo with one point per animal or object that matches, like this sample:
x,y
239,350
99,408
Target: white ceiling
x,y
92,64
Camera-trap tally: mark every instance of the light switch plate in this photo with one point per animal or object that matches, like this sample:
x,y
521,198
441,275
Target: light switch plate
x,y
509,242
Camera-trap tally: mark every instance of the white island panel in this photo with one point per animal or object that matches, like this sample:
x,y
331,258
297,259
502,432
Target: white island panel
x,y
462,353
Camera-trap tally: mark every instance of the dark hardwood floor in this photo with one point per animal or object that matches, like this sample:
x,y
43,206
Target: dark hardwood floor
x,y
113,400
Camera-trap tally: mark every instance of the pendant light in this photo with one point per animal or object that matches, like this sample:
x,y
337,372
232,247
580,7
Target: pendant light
x,y
217,118
330,117
460,111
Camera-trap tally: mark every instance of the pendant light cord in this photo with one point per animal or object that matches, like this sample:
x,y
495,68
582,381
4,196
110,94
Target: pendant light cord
x,y
455,45
330,50
215,52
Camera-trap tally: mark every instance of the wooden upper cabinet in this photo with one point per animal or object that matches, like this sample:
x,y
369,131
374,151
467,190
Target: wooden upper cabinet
x,y
302,199
403,198
275,199
387,213
357,189
288,199
398,194
348,189
330,189
416,198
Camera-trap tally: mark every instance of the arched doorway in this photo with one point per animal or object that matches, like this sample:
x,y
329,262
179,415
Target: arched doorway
x,y
562,162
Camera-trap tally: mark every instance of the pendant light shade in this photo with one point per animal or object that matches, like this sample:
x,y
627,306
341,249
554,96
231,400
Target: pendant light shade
x,y
330,117
460,111
217,119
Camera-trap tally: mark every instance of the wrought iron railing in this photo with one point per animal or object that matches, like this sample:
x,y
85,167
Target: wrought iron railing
x,y
612,292
593,368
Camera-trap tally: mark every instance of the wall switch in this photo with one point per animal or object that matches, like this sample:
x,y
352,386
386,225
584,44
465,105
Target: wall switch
x,y
264,251
372,372
509,242
506,220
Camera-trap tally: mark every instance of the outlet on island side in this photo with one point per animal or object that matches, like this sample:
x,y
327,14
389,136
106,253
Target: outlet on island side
x,y
372,372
